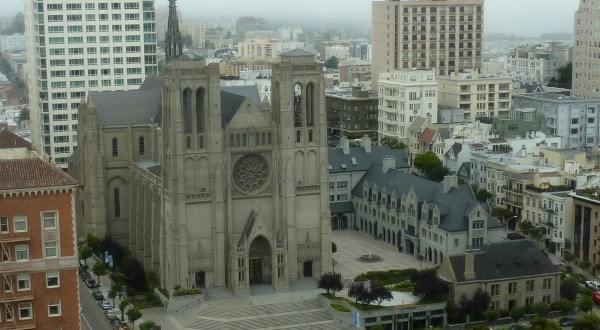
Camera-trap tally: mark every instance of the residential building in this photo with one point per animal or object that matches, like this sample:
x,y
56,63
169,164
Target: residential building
x,y
586,63
196,30
265,49
235,67
75,48
403,96
483,96
514,274
519,122
586,204
445,36
360,50
37,239
537,64
575,120
286,34
347,165
351,113
341,51
355,71
245,24
11,43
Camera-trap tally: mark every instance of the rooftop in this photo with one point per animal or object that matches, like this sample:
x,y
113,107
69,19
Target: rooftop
x,y
32,173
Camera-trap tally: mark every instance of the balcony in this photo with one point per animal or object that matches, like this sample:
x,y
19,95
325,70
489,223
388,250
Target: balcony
x,y
17,296
15,237
513,202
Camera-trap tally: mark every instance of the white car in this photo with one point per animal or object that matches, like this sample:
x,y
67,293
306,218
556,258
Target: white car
x,y
105,304
593,284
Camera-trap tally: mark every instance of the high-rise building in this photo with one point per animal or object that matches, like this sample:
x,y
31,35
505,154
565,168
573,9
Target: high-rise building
x,y
586,63
37,240
74,48
445,35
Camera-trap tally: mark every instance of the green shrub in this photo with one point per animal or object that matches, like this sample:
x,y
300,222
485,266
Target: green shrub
x,y
340,308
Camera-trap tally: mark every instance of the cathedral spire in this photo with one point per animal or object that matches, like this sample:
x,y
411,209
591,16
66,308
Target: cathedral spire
x,y
173,47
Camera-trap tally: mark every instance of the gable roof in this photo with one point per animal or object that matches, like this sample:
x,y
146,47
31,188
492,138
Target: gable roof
x,y
506,259
427,135
297,52
153,82
32,173
415,126
364,159
456,148
136,107
10,140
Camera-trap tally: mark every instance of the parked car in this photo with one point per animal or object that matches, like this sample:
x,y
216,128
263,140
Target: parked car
x,y
98,295
518,327
566,268
105,304
85,275
90,282
112,313
566,321
596,297
580,277
593,284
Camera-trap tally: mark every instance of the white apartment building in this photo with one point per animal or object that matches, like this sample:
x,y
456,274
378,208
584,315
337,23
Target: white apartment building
x,y
403,96
483,96
537,64
575,120
445,35
265,49
340,51
75,47
195,29
586,61
12,43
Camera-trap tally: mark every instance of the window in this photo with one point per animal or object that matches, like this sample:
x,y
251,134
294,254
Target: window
x,y
529,285
528,301
49,220
25,311
117,201
3,225
54,308
9,312
115,147
547,283
23,282
456,242
20,223
50,249
512,287
477,241
141,145
495,289
52,279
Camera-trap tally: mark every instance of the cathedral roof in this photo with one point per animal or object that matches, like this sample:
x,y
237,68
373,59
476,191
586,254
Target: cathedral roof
x,y
127,108
297,52
153,82
232,98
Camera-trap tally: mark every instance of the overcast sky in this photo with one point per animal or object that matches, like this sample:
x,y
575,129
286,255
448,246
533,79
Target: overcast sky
x,y
523,17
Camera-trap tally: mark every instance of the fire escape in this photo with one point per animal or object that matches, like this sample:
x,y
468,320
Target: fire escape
x,y
10,296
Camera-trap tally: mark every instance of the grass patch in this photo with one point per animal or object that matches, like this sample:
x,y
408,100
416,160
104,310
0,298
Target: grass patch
x,y
387,277
332,297
339,308
405,286
367,307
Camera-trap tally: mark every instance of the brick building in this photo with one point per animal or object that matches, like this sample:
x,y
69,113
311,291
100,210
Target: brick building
x,y
38,267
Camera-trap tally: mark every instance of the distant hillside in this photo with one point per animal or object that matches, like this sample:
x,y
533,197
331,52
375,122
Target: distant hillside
x,y
512,36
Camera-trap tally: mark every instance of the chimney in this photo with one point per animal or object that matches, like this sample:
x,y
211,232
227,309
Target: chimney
x,y
345,145
450,181
469,265
428,122
365,142
389,162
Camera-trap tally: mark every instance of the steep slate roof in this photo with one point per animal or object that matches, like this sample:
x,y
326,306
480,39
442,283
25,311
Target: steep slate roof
x,y
120,108
444,132
456,148
415,126
297,52
454,206
10,140
507,259
32,173
364,160
428,135
153,82
232,97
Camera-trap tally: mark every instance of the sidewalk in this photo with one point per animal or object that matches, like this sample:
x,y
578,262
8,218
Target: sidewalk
x,y
104,285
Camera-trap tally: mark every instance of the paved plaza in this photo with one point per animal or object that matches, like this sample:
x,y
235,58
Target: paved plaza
x,y
352,244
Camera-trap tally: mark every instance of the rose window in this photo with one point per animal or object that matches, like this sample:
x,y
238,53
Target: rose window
x,y
251,173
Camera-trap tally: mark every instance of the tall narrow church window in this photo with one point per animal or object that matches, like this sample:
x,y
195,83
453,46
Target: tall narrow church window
x,y
298,136
257,139
188,142
117,201
115,147
310,100
310,135
244,140
263,139
200,115
142,146
187,110
269,139
297,105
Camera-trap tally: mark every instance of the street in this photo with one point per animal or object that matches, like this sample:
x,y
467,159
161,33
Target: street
x,y
92,316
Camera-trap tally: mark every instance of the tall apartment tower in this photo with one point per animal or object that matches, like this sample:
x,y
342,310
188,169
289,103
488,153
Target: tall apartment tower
x,y
445,35
79,47
586,76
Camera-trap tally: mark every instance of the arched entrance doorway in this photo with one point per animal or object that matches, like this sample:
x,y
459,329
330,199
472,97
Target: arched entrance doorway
x,y
344,222
260,261
334,223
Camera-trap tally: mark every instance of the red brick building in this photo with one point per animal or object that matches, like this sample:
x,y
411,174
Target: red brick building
x,y
38,267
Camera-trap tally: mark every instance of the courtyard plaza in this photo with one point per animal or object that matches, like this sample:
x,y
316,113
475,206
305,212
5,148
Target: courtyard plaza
x,y
297,307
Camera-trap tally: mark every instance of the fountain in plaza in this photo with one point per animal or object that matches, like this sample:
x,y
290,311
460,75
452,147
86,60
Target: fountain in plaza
x,y
370,258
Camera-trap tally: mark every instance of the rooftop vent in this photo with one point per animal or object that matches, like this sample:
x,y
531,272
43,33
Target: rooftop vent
x,y
343,166
354,161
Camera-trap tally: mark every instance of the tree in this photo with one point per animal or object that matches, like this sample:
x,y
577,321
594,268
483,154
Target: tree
x,y
148,325
333,247
438,173
332,62
479,303
427,161
492,316
427,283
541,308
360,294
380,293
378,326
565,306
588,321
124,303
114,291
133,314
569,289
538,322
84,253
585,303
564,79
517,313
187,41
99,269
537,233
331,282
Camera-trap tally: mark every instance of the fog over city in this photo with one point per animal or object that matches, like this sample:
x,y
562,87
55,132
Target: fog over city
x,y
520,17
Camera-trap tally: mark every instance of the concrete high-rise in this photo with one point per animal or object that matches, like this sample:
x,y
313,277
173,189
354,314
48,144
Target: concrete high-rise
x,y
75,48
586,63
445,35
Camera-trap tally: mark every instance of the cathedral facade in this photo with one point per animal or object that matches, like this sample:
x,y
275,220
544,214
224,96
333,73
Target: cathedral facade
x,y
210,186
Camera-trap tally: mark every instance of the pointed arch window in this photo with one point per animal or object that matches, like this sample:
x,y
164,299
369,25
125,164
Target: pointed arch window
x,y
117,202
200,112
310,103
297,105
141,146
187,110
115,147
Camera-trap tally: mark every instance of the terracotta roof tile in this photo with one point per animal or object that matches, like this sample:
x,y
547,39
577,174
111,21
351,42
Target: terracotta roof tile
x,y
9,140
32,173
428,135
